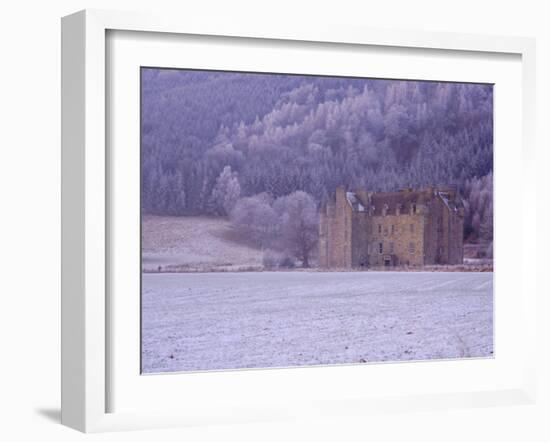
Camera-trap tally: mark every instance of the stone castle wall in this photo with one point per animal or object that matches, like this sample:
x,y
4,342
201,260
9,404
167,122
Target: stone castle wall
x,y
425,233
335,232
399,236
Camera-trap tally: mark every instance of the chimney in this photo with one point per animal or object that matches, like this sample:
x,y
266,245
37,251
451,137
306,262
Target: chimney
x,y
340,193
363,196
451,191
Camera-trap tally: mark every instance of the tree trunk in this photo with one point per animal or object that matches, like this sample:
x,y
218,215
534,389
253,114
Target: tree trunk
x,y
305,261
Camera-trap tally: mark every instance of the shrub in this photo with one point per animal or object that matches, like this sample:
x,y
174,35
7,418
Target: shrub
x,y
287,262
274,260
270,260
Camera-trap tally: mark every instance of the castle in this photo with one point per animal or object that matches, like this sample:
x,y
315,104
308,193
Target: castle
x,y
406,228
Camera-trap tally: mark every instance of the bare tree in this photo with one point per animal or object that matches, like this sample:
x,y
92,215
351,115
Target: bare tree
x,y
298,218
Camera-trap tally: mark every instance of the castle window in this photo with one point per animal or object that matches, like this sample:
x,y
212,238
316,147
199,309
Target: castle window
x,y
392,229
411,248
380,248
384,210
414,208
379,228
385,231
391,247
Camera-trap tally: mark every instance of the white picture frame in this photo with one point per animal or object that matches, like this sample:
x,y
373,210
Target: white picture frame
x,y
86,206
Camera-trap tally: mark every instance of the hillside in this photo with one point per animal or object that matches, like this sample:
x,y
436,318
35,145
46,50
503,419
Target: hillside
x,y
283,133
194,243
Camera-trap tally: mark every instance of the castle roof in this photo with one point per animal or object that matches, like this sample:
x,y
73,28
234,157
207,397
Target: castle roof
x,y
403,200
354,201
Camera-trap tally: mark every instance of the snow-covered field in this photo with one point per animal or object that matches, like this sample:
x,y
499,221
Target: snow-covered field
x,y
213,321
194,243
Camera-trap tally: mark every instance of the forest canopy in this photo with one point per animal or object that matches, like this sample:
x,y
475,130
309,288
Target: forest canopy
x,y
209,138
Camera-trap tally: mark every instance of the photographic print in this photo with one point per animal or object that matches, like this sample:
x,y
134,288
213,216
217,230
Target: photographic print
x,y
305,220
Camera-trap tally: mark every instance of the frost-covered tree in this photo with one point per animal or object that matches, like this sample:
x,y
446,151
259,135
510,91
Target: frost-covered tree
x,y
226,191
287,133
288,224
254,218
298,219
478,202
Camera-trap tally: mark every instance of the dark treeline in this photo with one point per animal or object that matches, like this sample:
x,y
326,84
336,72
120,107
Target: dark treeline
x,y
210,138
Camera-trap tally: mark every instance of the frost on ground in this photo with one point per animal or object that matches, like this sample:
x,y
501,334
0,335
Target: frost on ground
x,y
213,321
188,243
